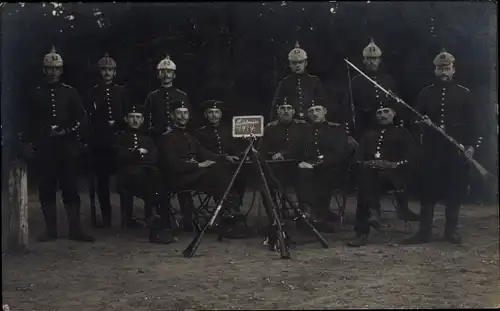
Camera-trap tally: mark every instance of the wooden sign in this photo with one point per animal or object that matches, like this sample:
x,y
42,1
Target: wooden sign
x,y
245,126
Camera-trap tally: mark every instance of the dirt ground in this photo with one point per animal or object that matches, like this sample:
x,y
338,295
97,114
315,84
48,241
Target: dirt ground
x,y
122,271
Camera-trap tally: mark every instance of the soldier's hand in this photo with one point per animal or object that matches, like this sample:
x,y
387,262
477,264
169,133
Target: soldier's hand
x,y
232,159
426,120
168,130
306,165
469,152
142,151
352,141
205,163
277,156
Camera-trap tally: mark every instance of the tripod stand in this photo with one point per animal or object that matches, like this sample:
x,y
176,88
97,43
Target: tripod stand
x,y
278,234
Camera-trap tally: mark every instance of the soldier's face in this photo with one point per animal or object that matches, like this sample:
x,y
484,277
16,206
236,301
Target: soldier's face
x,y
298,66
166,75
385,115
53,74
444,73
285,113
134,120
372,63
107,74
213,115
181,116
317,114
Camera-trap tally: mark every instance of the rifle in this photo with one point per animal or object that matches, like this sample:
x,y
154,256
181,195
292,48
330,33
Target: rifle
x,y
484,173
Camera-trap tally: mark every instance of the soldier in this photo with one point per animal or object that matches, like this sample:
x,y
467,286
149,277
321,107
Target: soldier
x,y
218,138
139,176
366,97
450,106
158,114
55,115
158,107
299,87
188,165
106,104
322,152
385,157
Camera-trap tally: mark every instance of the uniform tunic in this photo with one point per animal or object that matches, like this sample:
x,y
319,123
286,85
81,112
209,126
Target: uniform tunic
x,y
367,98
56,105
386,143
158,111
280,137
219,140
444,170
300,91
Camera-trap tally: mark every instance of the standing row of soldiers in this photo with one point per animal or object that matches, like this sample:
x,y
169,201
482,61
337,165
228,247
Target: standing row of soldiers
x,y
386,150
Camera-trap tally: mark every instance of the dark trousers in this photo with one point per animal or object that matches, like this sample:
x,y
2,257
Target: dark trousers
x,y
104,166
212,180
285,174
314,190
142,182
372,183
444,176
57,163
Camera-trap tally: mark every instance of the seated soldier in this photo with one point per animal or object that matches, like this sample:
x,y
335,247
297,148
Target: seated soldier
x,y
384,158
138,175
218,139
188,165
323,153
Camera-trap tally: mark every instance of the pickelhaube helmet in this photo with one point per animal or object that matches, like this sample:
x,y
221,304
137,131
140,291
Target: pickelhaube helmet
x,y
166,63
297,54
444,59
53,59
107,62
372,50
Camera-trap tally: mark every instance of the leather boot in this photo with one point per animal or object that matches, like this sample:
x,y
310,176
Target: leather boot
x,y
359,240
451,233
50,217
158,231
403,211
424,233
75,231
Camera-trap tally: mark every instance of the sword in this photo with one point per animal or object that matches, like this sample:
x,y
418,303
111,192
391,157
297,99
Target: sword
x,y
459,146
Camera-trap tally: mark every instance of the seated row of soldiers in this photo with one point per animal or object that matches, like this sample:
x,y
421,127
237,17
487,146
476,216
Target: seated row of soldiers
x,y
202,162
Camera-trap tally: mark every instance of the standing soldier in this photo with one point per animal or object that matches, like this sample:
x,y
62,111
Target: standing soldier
x,y
364,97
299,87
385,157
106,104
159,113
55,115
158,107
450,106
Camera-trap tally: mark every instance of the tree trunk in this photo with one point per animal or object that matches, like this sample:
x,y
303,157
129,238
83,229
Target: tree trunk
x,y
15,209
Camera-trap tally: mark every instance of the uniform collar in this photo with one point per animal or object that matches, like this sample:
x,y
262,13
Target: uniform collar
x,y
286,124
181,129
320,124
53,85
386,126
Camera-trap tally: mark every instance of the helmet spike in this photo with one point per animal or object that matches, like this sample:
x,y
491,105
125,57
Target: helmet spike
x,y
372,40
297,45
443,50
167,56
106,54
53,49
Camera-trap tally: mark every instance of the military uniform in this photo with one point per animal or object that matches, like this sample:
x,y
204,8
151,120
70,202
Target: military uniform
x,y
57,107
106,105
367,97
219,140
139,176
179,154
325,146
299,90
390,143
158,105
444,170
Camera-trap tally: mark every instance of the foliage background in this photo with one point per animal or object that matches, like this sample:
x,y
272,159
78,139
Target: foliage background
x,y
243,46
